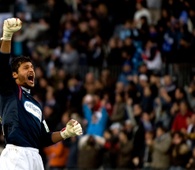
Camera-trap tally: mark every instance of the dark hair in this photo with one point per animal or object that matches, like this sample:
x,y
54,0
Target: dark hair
x,y
180,134
161,126
17,61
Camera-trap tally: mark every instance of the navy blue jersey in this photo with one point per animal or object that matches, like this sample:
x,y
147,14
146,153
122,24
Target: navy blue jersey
x,y
21,115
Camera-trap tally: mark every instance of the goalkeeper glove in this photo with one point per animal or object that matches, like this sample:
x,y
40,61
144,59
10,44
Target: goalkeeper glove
x,y
73,128
10,26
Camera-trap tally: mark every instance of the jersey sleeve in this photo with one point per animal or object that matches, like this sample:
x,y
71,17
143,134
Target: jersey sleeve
x,y
7,82
46,137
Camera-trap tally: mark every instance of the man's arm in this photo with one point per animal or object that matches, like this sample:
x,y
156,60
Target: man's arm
x,y
56,137
5,47
73,128
10,26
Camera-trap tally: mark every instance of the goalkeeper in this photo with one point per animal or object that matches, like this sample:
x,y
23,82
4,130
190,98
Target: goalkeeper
x,y
24,128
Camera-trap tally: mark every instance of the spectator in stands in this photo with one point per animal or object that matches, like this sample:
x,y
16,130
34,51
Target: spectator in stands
x,y
154,84
72,160
160,147
68,30
128,128
109,151
191,132
147,101
143,81
179,152
152,57
107,80
181,118
147,121
114,129
190,91
191,163
118,113
138,137
127,73
102,15
123,31
162,113
154,6
56,156
125,151
96,118
114,57
140,12
106,102
128,51
88,154
169,84
171,5
70,59
147,159
180,94
89,83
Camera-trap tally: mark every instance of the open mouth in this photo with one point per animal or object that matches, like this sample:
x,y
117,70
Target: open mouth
x,y
31,78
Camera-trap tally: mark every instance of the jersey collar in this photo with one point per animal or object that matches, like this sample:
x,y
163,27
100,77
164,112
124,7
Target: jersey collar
x,y
25,89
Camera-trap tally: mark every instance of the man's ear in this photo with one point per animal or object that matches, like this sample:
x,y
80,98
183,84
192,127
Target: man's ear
x,y
15,75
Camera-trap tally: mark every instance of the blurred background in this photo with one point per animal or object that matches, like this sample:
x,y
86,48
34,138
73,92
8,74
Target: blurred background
x,y
123,68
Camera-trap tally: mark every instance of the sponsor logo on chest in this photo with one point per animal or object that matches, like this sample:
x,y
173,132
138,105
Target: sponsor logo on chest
x,y
33,109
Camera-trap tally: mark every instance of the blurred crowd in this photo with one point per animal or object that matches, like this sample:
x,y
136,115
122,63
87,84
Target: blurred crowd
x,y
135,116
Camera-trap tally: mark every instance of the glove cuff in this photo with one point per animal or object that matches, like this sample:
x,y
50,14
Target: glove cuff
x,y
64,134
7,35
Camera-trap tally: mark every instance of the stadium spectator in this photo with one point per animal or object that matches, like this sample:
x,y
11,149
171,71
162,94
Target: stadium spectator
x,y
179,152
181,119
160,147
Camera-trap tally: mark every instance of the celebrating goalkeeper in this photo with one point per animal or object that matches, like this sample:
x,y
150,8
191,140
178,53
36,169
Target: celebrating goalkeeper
x,y
24,128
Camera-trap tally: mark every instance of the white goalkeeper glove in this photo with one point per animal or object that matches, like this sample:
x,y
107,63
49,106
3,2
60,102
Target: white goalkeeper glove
x,y
10,26
73,128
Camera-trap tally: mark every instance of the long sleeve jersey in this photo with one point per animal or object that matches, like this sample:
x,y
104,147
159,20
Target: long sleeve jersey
x,y
20,114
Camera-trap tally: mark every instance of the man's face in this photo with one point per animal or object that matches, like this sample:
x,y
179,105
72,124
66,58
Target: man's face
x,y
25,76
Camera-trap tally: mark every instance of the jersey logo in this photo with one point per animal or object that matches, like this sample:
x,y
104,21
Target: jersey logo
x,y
33,109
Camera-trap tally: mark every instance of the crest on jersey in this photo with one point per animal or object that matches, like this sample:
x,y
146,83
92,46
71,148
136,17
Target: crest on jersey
x,y
33,109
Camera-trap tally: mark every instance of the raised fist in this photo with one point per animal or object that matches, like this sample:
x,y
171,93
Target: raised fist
x,y
10,26
73,128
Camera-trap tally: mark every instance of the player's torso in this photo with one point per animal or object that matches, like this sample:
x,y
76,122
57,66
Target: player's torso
x,y
21,119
